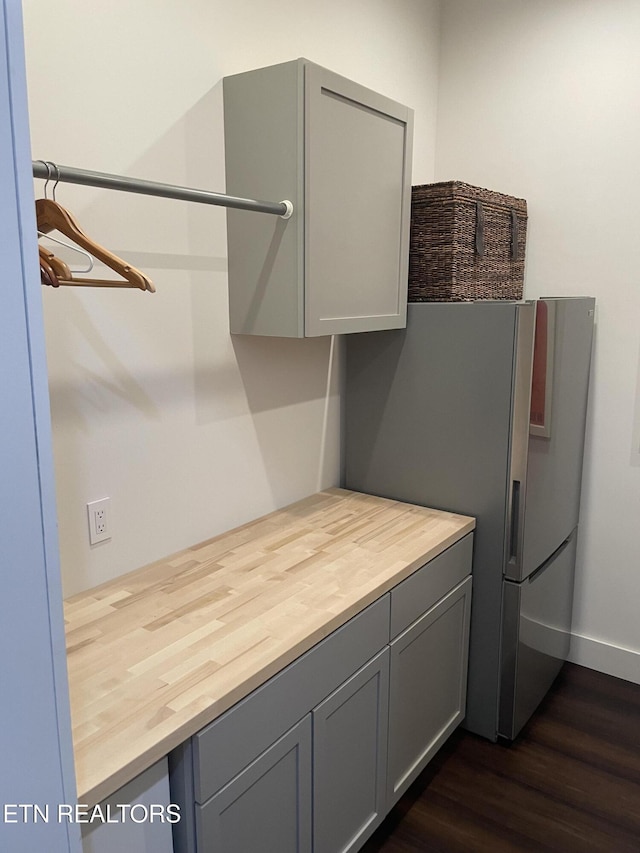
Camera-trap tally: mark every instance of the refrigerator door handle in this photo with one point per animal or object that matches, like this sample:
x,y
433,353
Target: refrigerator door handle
x,y
514,539
520,417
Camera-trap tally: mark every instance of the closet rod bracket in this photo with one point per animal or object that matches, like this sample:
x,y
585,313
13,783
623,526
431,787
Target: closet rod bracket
x,y
289,209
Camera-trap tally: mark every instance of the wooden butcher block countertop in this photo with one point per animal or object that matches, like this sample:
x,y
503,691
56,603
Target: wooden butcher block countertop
x,y
158,653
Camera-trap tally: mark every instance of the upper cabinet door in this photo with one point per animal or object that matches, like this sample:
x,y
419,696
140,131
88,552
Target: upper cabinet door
x,y
342,154
357,206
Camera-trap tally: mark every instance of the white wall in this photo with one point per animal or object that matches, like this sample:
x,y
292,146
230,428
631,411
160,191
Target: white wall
x,y
188,431
540,98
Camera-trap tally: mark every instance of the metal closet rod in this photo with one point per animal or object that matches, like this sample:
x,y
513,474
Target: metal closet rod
x,y
69,175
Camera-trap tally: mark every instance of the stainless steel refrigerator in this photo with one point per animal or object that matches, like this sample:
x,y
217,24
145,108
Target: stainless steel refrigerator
x,y
480,408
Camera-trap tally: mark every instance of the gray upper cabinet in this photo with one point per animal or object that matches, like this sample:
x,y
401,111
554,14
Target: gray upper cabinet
x,y
342,154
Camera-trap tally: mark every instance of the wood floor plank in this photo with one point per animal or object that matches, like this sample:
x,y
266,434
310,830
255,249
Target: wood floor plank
x,y
569,784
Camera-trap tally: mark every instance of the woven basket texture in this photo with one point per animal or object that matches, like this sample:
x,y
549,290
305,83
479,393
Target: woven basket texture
x,y
444,264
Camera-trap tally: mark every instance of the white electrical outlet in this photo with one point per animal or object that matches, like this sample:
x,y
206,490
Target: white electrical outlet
x,y
99,520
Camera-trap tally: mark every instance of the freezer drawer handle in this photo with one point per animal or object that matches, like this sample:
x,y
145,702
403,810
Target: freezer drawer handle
x,y
549,560
515,519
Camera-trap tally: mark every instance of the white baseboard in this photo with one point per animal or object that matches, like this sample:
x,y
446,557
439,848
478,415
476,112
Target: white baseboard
x,y
605,657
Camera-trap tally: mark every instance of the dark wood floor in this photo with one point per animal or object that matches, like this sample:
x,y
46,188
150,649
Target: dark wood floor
x,y
570,782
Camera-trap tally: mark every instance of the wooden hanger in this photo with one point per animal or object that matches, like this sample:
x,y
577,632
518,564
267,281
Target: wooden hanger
x,y
51,216
48,275
57,265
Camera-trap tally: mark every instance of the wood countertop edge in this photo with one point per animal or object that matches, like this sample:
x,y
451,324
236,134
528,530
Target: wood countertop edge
x,y
93,786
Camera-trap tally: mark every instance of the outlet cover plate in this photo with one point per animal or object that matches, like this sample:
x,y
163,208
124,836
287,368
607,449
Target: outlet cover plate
x,y
99,515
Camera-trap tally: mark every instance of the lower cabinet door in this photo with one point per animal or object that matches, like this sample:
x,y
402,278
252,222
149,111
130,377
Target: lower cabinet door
x,y
267,807
350,759
428,685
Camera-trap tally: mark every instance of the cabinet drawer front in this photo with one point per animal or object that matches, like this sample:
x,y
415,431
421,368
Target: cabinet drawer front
x,y
230,743
411,598
267,807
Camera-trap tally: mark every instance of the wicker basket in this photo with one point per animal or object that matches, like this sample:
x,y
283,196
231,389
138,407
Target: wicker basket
x,y
466,243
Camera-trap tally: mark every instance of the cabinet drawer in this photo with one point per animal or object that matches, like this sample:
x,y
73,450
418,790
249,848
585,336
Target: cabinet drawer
x,y
230,743
411,598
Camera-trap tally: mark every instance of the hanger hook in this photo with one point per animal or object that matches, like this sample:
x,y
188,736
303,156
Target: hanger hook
x,y
47,166
53,191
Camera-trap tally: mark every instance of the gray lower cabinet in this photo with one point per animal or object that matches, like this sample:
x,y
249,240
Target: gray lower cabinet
x,y
259,745
350,759
321,786
427,687
267,807
314,759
